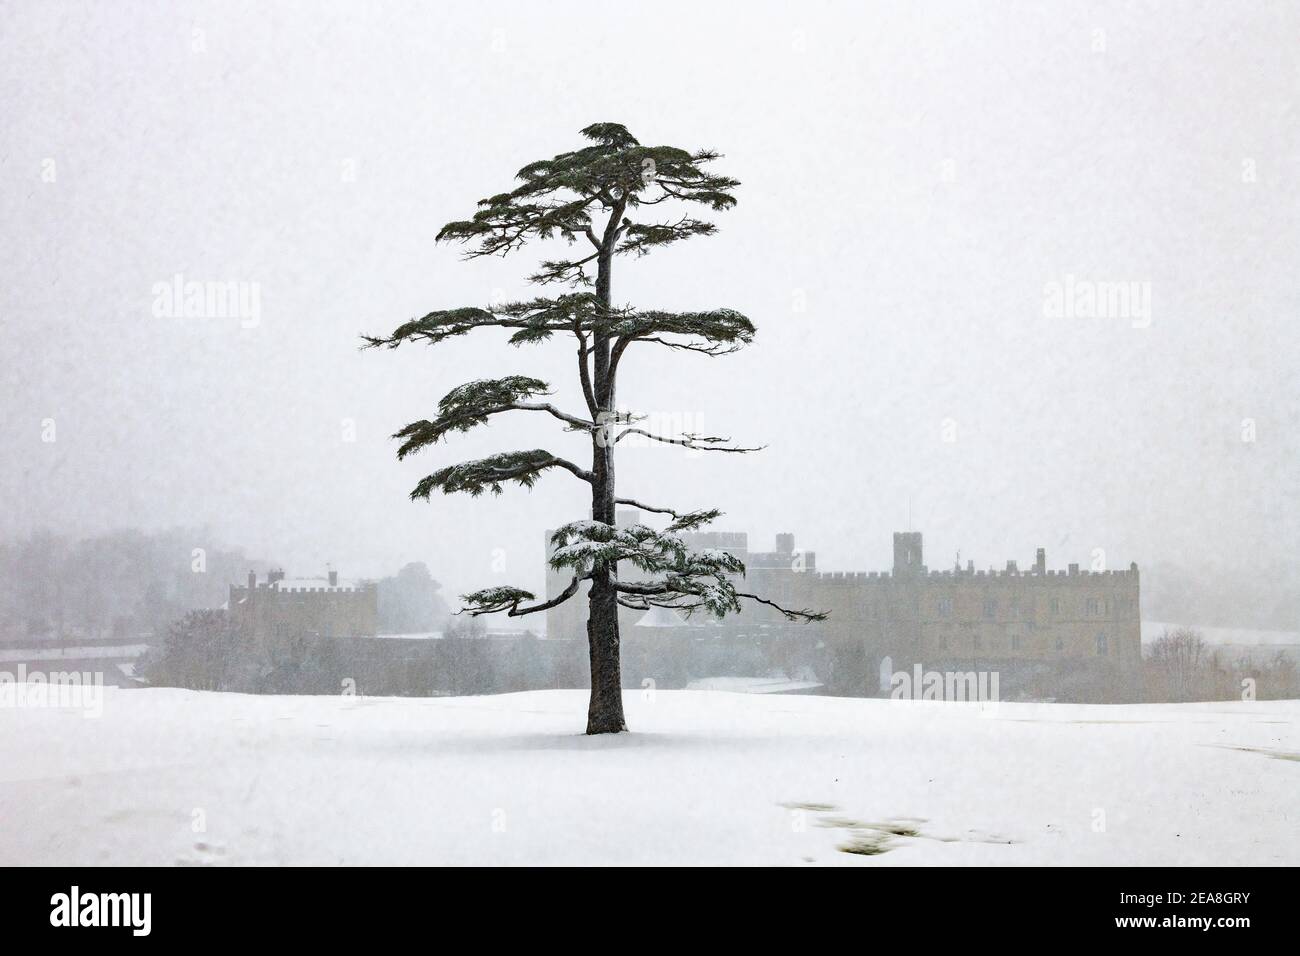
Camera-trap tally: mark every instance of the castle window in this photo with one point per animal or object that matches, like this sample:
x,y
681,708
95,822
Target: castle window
x,y
1015,642
1102,648
1056,607
945,607
1092,606
990,608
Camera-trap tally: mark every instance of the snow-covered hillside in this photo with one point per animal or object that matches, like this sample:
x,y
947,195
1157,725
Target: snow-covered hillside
x,y
179,777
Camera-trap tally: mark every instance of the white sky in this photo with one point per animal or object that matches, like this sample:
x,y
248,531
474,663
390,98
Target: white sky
x,y
924,297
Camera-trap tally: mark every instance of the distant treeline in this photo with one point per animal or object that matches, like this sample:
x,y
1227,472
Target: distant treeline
x,y
410,602
133,584
204,651
207,651
1180,666
119,584
1246,597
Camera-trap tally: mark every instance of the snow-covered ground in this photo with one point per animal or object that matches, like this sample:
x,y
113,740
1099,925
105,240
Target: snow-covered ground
x,y
180,777
755,685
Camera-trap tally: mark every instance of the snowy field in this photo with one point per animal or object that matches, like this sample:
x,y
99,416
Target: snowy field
x,y
178,777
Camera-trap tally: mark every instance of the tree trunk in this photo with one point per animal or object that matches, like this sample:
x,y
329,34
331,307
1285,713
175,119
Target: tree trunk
x,y
605,712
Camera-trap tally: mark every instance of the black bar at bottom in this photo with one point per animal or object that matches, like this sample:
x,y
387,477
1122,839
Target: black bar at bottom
x,y
929,907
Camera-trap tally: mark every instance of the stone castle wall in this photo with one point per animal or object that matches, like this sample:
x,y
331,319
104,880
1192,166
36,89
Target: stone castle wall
x,y
914,614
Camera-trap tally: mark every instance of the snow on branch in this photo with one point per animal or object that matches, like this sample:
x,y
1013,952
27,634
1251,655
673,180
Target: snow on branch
x,y
712,332
534,320
505,222
489,474
473,403
641,238
685,580
581,545
683,602
556,198
508,599
690,440
682,520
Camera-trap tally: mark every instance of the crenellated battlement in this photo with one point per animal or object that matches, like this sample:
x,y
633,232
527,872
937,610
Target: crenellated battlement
x,y
284,607
1058,578
850,577
1054,577
1009,613
1017,612
324,589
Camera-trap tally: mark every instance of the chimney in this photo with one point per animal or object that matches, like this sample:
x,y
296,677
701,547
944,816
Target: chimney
x,y
1040,561
252,580
334,579
1074,569
1011,568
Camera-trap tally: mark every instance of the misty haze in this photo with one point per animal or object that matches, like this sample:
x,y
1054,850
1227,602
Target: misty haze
x,y
839,434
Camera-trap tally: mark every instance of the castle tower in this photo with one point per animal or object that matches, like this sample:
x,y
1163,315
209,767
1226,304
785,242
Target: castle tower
x,y
907,553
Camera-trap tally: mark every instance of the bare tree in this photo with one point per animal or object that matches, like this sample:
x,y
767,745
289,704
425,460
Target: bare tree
x,y
1178,656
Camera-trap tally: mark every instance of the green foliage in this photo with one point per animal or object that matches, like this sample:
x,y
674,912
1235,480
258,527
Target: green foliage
x,y
640,239
489,474
494,599
534,319
469,405
435,327
202,651
557,197
579,545
597,198
693,520
721,329
489,393
684,580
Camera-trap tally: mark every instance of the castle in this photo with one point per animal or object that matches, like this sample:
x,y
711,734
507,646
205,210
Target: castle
x,y
298,608
1030,620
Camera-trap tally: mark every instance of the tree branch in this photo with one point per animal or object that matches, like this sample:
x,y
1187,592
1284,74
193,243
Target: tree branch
x,y
672,592
475,402
713,351
790,615
489,474
697,442
422,433
682,521
584,372
495,600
